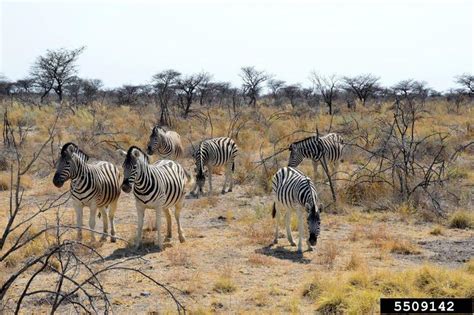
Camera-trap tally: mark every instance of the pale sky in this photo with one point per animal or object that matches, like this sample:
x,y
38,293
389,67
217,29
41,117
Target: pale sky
x,y
129,41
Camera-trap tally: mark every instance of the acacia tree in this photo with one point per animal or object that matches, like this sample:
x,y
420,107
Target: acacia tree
x,y
164,83
363,86
252,83
188,87
292,92
327,87
55,70
467,82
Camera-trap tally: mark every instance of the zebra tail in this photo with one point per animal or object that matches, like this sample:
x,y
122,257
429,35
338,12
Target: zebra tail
x,y
274,210
189,177
233,166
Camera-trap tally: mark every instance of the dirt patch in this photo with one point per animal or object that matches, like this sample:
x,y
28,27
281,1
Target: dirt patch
x,y
449,252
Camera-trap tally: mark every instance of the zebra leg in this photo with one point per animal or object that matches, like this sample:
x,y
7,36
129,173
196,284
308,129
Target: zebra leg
x,y
300,230
209,170
277,223
93,213
315,169
231,174
225,180
168,224
140,215
288,227
78,209
158,240
335,168
177,212
112,209
105,223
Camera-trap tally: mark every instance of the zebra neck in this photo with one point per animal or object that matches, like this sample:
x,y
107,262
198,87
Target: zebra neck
x,y
80,169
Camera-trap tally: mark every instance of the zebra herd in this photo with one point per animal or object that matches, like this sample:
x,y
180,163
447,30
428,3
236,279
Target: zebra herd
x,y
161,185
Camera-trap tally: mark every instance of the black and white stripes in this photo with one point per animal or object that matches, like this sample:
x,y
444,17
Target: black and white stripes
x,y
315,148
158,186
96,186
165,143
293,190
212,153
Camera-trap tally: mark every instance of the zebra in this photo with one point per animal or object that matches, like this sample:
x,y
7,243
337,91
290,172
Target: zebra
x,y
211,153
328,148
96,186
165,143
158,186
294,190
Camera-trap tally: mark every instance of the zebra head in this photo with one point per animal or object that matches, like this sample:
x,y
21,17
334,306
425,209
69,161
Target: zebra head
x,y
155,140
314,222
313,219
130,165
65,167
200,174
296,156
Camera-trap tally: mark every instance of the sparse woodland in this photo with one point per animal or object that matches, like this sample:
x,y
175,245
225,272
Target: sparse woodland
x,y
401,222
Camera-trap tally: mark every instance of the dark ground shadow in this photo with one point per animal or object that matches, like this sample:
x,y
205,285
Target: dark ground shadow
x,y
130,251
281,252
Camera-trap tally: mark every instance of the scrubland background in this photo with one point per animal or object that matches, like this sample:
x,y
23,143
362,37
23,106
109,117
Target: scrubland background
x,y
376,241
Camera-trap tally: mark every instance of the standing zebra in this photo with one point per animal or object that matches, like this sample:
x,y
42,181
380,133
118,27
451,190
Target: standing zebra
x,y
293,190
330,146
158,186
96,186
165,143
211,153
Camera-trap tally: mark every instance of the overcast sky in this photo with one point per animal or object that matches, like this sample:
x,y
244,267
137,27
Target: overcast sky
x,y
128,41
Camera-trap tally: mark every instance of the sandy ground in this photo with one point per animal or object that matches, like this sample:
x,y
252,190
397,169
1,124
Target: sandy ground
x,y
228,239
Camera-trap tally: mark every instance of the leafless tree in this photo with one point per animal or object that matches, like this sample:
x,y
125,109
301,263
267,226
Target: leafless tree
x,y
253,80
466,81
188,86
275,87
55,69
327,87
292,92
129,94
363,86
75,267
165,83
6,86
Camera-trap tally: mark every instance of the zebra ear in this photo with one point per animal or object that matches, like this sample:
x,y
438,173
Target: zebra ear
x,y
121,152
136,153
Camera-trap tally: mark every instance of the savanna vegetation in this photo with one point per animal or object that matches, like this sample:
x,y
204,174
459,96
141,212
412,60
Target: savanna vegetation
x,y
399,224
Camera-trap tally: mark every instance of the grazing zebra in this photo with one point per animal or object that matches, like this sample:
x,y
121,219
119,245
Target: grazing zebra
x,y
158,186
294,190
314,148
96,186
167,144
211,153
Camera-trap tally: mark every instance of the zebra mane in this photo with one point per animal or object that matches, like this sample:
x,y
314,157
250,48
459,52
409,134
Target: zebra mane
x,y
78,151
305,139
129,153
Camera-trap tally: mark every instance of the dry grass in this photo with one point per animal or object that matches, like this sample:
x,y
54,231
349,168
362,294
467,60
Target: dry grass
x,y
328,253
355,262
437,230
224,284
461,220
358,292
178,256
260,260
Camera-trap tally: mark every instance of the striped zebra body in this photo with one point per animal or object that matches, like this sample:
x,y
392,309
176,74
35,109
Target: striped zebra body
x,y
158,186
214,153
167,144
328,148
96,186
294,190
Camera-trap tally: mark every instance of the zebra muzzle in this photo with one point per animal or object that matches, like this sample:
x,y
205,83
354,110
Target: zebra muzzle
x,y
57,181
126,187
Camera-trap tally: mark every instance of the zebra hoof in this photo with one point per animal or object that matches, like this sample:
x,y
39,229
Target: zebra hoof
x,y
113,239
103,238
223,191
292,243
310,249
182,239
